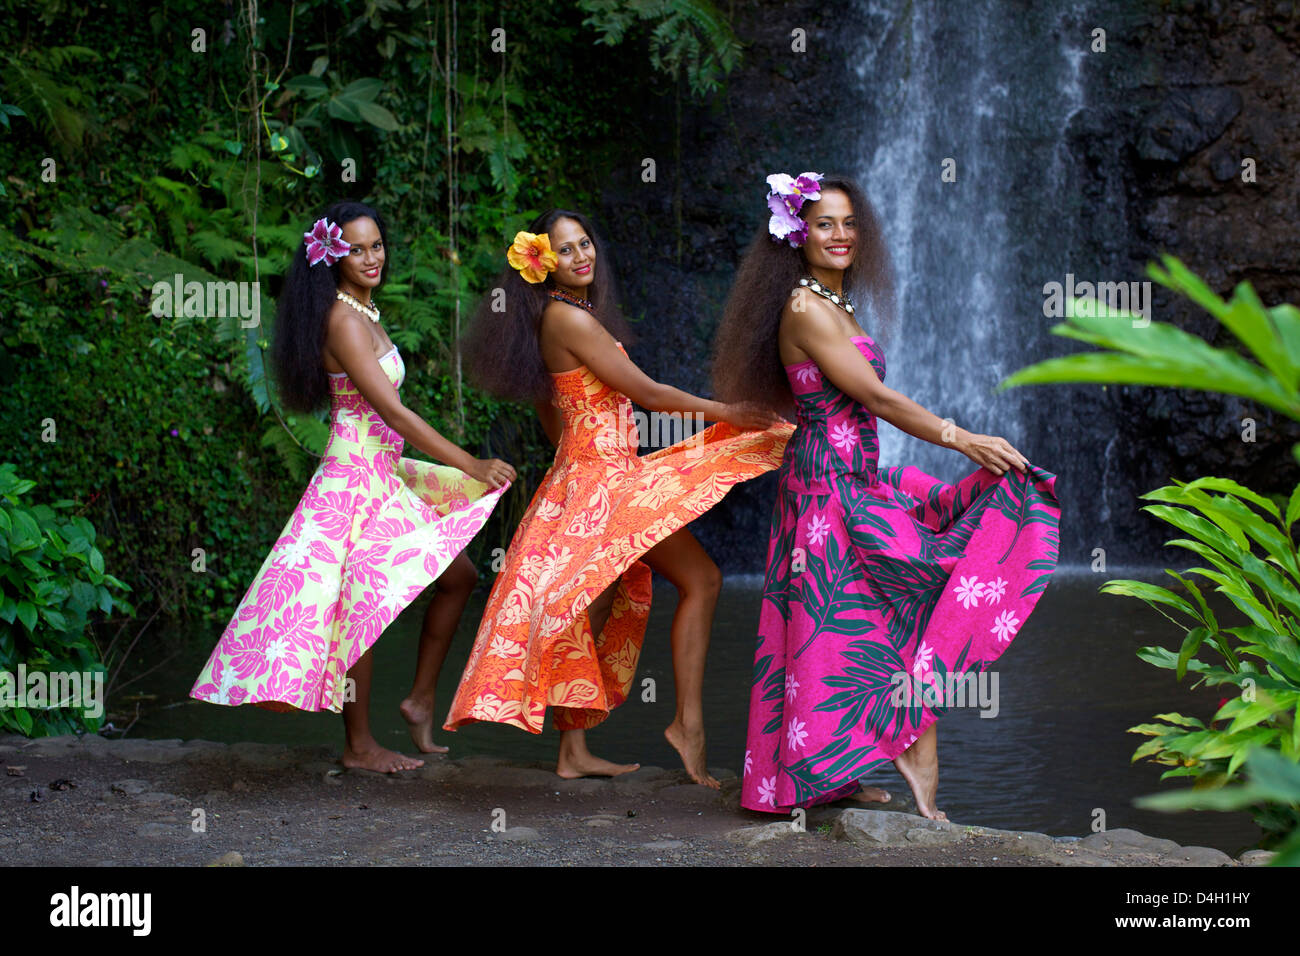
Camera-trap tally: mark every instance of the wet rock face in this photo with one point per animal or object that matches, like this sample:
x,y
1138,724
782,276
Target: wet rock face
x,y
1210,103
1186,122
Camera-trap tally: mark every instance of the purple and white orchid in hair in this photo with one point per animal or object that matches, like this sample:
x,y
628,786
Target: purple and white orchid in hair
x,y
786,199
325,243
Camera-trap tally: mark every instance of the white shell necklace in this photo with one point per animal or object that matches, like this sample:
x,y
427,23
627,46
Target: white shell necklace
x,y
839,298
369,311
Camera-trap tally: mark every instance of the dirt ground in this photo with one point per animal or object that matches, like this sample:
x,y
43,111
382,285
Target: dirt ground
x,y
90,801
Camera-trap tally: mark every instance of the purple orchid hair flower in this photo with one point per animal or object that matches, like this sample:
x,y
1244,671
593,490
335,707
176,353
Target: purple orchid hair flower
x,y
325,243
785,225
786,198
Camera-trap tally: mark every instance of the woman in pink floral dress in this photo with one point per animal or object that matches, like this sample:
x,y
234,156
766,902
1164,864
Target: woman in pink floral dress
x,y
372,530
887,592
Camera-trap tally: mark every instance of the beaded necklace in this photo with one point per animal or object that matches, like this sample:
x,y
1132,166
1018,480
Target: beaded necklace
x,y
562,296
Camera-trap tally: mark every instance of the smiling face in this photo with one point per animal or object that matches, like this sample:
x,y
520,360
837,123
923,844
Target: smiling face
x,y
576,268
832,232
363,267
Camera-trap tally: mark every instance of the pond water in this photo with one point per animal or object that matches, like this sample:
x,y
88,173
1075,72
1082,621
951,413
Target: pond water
x,y
1057,751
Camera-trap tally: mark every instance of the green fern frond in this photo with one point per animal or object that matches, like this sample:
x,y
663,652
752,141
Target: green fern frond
x,y
287,450
217,248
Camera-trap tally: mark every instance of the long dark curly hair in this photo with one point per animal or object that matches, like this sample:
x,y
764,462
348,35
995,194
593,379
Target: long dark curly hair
x,y
501,350
746,362
297,347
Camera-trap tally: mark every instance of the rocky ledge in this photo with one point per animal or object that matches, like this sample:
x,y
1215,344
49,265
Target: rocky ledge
x,y
85,801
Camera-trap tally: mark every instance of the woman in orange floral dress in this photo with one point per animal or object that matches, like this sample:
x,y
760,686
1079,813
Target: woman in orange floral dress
x,y
565,620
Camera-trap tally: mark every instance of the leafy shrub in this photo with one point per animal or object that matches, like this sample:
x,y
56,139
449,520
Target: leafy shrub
x,y
1261,659
1244,537
52,582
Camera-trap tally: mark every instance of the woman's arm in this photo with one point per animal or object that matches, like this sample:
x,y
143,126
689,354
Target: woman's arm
x,y
816,330
552,423
582,335
349,342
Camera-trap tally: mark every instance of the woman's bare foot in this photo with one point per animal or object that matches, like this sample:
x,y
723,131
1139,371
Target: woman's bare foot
x,y
591,766
576,760
919,765
870,795
379,759
690,745
419,721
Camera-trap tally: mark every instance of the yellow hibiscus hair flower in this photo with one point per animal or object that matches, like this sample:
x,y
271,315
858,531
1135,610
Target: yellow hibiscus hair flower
x,y
532,256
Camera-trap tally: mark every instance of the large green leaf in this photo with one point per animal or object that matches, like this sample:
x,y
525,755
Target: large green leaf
x,y
376,115
308,85
342,108
1268,334
1236,519
363,90
1198,527
1233,488
1279,650
1293,507
1191,643
1157,353
1207,616
1151,593
1233,377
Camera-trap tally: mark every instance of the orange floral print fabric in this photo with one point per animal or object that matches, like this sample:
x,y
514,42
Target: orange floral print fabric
x,y
597,511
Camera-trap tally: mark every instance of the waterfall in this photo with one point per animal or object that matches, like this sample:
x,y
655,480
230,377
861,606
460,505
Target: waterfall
x,y
993,88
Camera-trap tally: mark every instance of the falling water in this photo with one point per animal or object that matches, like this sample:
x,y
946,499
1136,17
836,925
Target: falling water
x,y
987,91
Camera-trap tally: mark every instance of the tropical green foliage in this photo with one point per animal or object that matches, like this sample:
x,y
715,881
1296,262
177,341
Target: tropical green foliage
x,y
52,582
1274,780
688,37
1259,660
141,151
1245,541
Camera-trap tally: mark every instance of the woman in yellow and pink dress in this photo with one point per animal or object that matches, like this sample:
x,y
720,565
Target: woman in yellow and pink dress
x,y
372,530
564,624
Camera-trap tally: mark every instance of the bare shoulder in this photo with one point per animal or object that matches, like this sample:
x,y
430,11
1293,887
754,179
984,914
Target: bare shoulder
x,y
345,321
345,330
568,321
809,316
